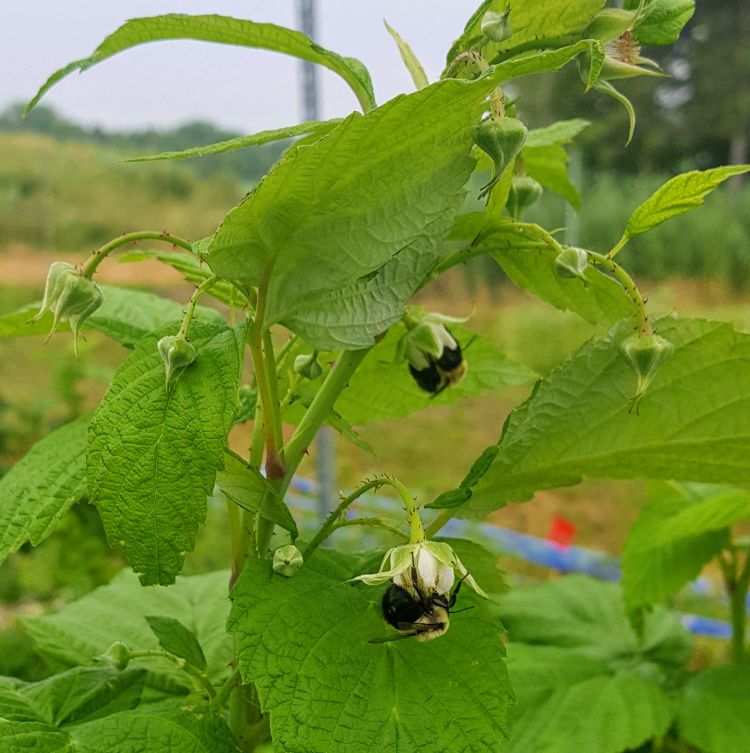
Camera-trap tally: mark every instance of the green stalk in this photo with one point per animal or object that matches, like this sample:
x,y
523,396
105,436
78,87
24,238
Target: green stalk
x,y
180,663
192,303
372,523
639,305
89,267
737,582
337,379
442,519
618,246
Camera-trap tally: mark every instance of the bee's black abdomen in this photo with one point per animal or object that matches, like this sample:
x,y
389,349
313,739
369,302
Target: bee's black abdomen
x,y
428,379
399,606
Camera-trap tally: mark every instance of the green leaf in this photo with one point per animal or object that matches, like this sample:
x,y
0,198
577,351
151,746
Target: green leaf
x,y
81,694
679,195
333,212
383,388
248,489
155,728
714,709
533,22
663,21
549,165
560,132
174,637
126,315
480,562
36,737
606,88
418,76
568,703
692,423
580,613
658,559
85,628
153,456
41,487
464,490
527,255
223,30
305,643
319,128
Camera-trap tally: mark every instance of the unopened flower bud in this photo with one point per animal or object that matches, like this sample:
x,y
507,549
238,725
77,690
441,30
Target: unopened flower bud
x,y
287,560
502,139
571,262
524,191
177,354
645,354
70,297
118,655
496,26
308,366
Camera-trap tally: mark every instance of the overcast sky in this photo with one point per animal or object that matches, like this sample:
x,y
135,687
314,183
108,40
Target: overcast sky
x,y
246,90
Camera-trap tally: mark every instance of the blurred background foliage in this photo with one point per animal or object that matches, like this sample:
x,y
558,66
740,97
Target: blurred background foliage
x,y
64,189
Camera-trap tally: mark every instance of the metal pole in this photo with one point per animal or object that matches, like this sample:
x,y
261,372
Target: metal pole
x,y
325,444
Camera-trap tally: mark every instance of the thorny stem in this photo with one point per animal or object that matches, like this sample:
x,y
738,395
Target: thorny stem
x,y
332,521
192,303
90,265
643,326
180,663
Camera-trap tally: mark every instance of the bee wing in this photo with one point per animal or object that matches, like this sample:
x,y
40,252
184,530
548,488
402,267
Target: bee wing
x,y
409,630
389,638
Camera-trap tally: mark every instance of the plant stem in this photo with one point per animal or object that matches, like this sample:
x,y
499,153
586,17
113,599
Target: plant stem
x,y
192,303
643,326
315,415
737,582
180,663
373,523
222,696
332,521
90,265
618,246
442,519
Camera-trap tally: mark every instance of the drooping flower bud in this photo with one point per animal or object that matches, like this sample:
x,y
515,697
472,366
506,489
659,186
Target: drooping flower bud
x,y
70,297
496,26
118,655
433,563
645,354
308,366
571,262
622,59
287,560
434,355
502,139
524,191
177,354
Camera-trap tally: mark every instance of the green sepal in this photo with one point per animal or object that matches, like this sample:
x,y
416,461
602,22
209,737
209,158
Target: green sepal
x,y
645,354
502,139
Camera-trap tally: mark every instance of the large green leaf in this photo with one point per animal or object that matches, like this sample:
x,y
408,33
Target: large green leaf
x,y
581,614
331,213
533,22
527,255
153,455
242,142
126,316
714,709
659,558
304,641
416,71
81,694
224,30
692,424
151,728
39,489
569,703
383,388
179,640
679,195
557,133
85,628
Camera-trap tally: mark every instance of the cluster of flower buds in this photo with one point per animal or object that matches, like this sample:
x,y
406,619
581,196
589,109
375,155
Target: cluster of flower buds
x,y
434,355
70,296
433,563
177,353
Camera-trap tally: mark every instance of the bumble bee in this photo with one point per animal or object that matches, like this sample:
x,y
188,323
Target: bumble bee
x,y
419,614
440,373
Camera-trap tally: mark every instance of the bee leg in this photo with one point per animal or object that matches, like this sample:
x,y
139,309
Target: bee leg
x,y
454,592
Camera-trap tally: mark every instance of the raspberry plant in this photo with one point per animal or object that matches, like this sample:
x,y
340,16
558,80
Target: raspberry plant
x,y
316,267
